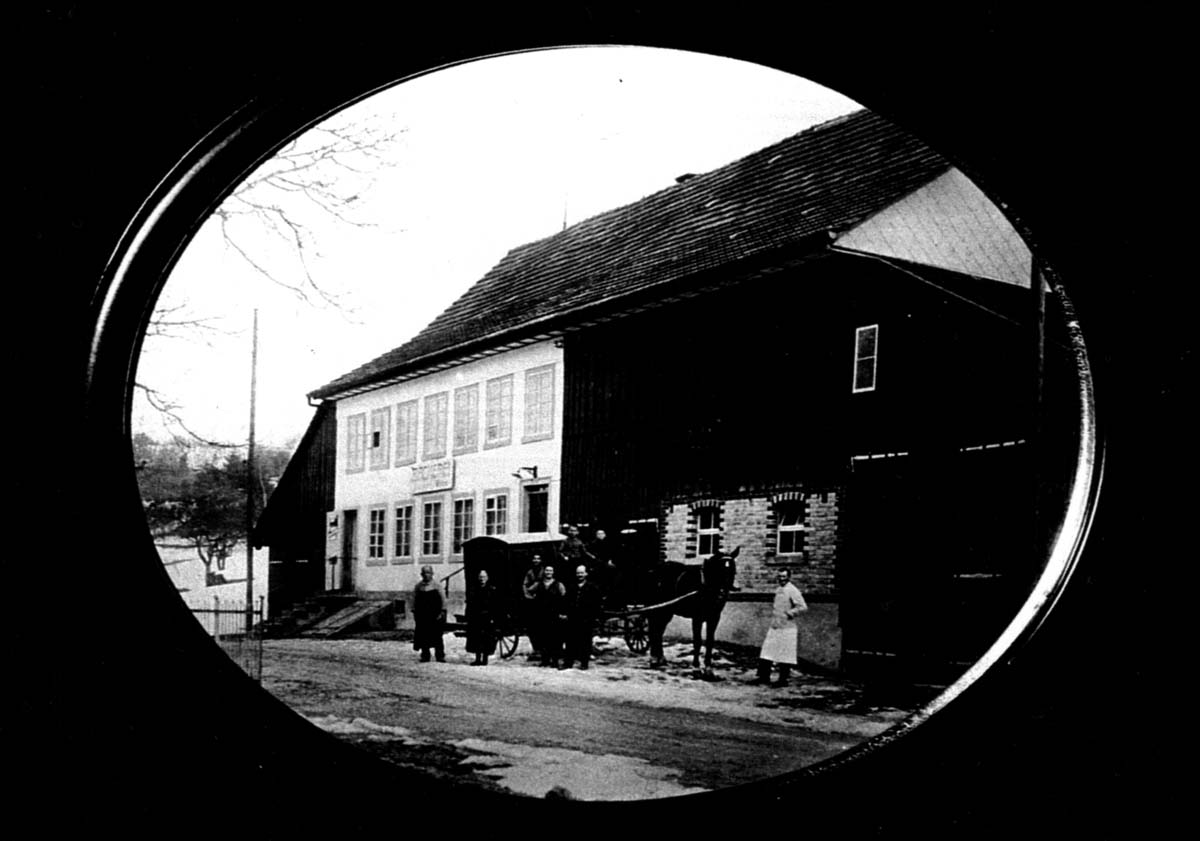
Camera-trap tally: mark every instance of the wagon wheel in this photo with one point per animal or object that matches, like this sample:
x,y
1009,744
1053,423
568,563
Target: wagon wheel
x,y
507,643
636,636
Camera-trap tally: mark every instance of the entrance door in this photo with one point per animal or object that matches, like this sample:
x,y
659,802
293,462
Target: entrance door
x,y
349,549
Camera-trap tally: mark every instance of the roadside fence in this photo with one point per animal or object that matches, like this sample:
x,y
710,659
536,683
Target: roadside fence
x,y
237,630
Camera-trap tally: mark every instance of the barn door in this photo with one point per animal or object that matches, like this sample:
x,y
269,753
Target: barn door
x,y
933,562
879,557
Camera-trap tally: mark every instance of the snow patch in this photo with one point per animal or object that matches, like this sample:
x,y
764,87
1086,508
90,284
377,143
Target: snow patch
x,y
534,771
360,726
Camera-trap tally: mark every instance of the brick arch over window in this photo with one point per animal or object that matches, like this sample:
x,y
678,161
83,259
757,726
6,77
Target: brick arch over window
x,y
704,526
788,525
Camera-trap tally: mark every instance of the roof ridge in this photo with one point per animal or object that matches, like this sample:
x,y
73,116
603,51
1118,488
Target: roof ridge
x,y
824,177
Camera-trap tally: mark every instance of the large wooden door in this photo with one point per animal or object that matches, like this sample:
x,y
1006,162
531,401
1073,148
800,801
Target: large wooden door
x,y
936,557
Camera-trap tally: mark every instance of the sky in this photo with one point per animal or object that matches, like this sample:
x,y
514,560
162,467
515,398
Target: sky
x,y
488,155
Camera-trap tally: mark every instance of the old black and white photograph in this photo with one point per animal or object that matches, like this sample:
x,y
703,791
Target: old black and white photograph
x,y
665,386
592,424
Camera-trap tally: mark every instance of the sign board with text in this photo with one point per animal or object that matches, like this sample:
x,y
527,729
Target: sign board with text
x,y
435,476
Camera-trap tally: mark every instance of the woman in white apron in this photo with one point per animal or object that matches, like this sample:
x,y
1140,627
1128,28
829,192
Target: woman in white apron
x,y
783,635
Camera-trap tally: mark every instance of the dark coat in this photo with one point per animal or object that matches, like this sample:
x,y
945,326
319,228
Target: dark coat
x,y
429,615
583,606
482,616
602,569
550,602
571,553
549,605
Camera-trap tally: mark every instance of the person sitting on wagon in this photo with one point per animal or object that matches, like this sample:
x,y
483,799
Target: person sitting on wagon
x,y
550,606
572,552
529,588
429,616
583,605
481,620
603,569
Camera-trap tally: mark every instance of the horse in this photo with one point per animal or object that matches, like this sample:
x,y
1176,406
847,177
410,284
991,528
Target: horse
x,y
704,589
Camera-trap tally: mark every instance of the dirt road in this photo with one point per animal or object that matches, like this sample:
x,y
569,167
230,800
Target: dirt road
x,y
619,731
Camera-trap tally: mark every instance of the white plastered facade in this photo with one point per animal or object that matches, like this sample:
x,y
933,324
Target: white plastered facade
x,y
514,466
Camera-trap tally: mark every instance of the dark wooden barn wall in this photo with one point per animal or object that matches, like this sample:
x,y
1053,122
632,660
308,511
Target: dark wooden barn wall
x,y
294,523
749,388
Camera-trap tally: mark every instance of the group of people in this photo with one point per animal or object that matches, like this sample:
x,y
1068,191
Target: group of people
x,y
560,616
429,619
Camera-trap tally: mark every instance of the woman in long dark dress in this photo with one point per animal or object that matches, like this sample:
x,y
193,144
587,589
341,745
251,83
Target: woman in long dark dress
x,y
481,621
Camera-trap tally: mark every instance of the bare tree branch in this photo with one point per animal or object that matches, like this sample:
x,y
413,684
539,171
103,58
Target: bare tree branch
x,y
310,173
170,412
316,179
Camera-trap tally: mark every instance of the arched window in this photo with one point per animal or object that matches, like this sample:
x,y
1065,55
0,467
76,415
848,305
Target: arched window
x,y
706,517
791,524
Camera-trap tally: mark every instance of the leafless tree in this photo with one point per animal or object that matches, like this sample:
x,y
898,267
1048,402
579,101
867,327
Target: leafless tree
x,y
270,221
318,176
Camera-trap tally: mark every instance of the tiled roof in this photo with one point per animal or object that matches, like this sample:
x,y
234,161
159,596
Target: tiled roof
x,y
825,178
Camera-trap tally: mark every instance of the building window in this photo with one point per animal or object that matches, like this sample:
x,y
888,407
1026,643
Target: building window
x,y
356,431
379,437
708,531
537,508
376,532
436,409
464,523
495,514
406,433
466,419
498,417
404,530
792,517
431,528
539,403
866,348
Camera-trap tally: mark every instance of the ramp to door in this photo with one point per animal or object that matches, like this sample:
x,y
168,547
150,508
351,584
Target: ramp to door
x,y
359,615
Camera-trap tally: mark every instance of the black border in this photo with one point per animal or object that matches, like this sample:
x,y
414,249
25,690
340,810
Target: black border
x,y
127,718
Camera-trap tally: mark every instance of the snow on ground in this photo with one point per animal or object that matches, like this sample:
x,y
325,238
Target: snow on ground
x,y
811,702
533,771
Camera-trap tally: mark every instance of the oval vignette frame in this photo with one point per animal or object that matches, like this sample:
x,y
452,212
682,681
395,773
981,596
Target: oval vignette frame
x,y
167,221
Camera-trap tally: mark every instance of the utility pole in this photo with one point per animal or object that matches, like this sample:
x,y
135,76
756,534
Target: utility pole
x,y
250,481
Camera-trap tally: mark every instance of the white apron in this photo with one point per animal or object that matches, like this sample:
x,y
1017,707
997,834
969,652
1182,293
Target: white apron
x,y
783,637
781,644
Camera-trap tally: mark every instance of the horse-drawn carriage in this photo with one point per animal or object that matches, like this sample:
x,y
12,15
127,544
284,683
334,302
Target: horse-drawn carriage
x,y
507,565
638,602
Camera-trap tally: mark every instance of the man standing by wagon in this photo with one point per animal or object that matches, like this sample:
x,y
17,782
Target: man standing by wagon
x,y
550,604
529,589
583,605
783,635
429,617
